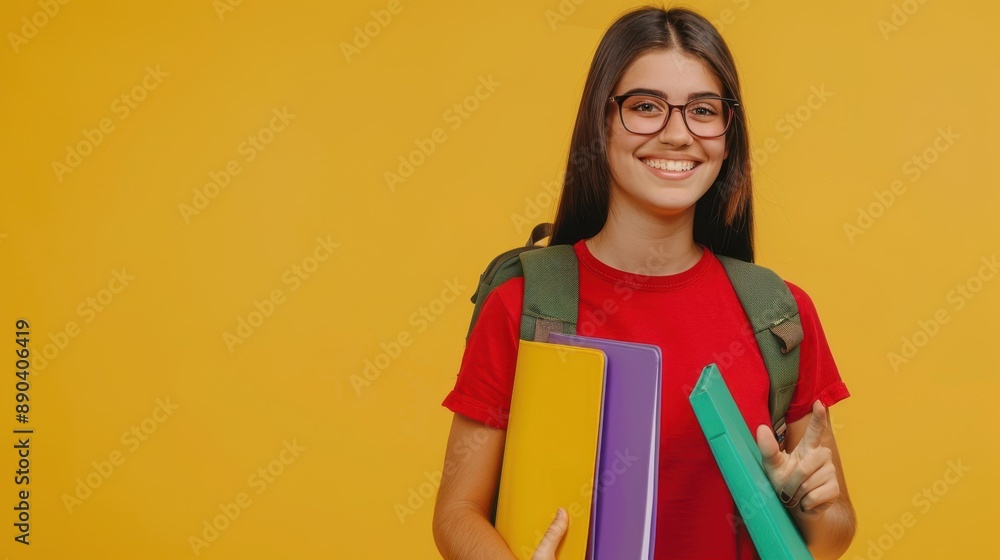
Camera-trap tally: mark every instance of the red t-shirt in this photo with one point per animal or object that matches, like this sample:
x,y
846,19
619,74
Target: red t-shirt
x,y
695,318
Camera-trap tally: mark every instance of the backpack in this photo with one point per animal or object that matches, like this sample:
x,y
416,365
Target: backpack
x,y
551,300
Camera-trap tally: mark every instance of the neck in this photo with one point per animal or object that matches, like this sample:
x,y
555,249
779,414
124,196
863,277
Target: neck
x,y
645,244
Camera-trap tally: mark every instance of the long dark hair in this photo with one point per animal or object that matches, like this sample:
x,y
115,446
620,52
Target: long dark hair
x,y
723,218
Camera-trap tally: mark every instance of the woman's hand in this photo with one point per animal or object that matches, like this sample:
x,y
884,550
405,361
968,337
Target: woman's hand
x,y
547,548
806,478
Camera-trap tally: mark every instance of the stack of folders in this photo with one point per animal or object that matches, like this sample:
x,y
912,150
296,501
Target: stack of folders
x,y
583,435
771,528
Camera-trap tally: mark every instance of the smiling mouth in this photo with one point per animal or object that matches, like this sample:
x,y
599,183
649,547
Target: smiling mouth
x,y
671,164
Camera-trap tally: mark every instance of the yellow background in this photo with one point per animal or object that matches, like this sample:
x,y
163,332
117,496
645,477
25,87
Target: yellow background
x,y
364,451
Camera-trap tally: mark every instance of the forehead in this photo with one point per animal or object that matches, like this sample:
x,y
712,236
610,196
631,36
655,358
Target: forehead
x,y
671,72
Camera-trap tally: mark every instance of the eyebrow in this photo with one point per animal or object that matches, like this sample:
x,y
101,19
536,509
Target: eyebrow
x,y
658,93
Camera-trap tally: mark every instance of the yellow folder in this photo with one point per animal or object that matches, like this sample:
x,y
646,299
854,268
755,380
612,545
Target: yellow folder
x,y
552,446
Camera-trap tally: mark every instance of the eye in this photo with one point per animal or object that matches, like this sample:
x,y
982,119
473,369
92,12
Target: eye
x,y
644,106
704,110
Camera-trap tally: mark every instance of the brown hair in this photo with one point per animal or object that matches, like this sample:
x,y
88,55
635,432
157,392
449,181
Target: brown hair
x,y
724,214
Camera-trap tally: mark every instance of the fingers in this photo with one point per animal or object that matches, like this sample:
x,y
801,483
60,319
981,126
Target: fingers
x,y
553,536
816,429
771,455
806,478
817,462
814,487
818,499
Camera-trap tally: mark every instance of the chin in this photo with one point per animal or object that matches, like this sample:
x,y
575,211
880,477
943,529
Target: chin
x,y
658,197
671,198
667,205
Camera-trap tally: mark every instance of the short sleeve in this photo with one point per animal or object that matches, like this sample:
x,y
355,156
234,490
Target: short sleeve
x,y
819,377
485,381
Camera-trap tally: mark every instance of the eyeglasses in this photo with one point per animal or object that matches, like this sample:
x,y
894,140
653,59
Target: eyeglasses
x,y
704,117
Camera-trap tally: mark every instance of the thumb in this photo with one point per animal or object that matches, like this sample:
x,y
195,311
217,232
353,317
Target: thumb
x,y
550,541
770,452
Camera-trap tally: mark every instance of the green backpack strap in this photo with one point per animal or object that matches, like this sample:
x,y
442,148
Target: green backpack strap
x,y
551,292
774,316
503,267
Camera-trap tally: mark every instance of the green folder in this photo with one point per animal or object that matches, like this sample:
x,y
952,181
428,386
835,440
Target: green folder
x,y
769,523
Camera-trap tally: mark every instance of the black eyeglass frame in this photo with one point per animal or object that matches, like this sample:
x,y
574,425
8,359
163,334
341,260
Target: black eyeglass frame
x,y
619,100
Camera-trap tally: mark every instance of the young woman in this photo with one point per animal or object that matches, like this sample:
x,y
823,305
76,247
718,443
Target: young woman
x,y
657,184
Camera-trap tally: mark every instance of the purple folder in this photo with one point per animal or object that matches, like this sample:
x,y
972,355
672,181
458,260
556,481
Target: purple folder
x,y
624,520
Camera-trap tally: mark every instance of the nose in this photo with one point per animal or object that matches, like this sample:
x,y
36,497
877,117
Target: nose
x,y
675,132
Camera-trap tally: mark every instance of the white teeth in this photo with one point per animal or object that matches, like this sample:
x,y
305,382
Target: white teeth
x,y
670,164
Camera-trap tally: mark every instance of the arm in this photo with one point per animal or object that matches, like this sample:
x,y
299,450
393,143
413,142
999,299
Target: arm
x,y
810,481
469,481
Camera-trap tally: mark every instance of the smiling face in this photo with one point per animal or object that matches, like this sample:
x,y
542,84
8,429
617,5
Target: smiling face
x,y
667,172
